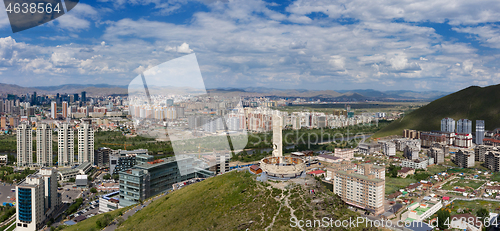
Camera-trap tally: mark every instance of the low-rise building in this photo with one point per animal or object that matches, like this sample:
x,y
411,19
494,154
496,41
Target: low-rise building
x,y
420,211
492,189
466,221
3,160
82,169
329,158
405,171
122,159
109,202
368,149
420,163
81,181
464,159
346,153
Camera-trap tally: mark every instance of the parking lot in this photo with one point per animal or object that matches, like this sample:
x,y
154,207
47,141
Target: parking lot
x,y
68,194
6,194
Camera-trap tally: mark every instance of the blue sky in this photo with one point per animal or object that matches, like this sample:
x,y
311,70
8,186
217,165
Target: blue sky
x,y
357,44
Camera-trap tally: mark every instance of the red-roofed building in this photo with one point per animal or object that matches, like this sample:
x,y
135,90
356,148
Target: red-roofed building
x,y
316,173
255,169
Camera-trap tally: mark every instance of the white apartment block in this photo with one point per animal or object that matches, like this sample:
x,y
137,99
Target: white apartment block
x,y
43,145
65,145
85,143
388,148
24,145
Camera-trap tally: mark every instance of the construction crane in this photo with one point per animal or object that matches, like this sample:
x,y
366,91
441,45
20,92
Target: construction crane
x,y
124,145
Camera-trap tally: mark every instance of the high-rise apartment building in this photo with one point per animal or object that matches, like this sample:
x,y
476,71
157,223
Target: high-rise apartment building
x,y
65,145
363,190
37,198
24,145
479,132
448,125
85,143
84,96
480,152
464,126
437,154
43,145
64,109
53,109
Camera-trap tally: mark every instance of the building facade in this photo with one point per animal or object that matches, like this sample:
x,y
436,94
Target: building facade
x,y
43,145
364,191
479,131
65,145
411,153
37,199
464,159
480,152
85,143
464,126
437,154
346,153
389,148
492,161
448,125
24,145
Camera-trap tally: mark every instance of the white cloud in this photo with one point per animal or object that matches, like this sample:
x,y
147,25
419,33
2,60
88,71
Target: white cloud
x,y
184,48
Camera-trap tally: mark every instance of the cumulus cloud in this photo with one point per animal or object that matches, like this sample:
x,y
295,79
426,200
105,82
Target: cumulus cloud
x,y
245,43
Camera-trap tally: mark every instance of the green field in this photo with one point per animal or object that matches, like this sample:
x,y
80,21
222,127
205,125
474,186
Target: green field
x,y
394,184
235,201
463,183
473,103
475,205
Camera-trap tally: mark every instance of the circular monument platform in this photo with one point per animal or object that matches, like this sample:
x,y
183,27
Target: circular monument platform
x,y
283,166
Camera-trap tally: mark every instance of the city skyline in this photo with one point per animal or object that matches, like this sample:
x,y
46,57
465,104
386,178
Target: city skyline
x,y
307,45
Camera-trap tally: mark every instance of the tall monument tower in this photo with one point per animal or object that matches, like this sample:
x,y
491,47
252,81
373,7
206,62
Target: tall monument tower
x,y
277,136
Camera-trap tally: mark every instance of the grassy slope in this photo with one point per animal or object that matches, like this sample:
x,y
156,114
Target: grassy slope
x,y
233,201
473,103
90,223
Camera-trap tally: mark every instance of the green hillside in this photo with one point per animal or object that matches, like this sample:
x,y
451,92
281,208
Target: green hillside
x,y
473,103
235,201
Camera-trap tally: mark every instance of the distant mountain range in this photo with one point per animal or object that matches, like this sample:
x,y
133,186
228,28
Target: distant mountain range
x,y
473,103
324,95
340,95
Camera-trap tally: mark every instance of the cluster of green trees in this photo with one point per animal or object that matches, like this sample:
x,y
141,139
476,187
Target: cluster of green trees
x,y
104,221
7,211
419,175
74,207
7,174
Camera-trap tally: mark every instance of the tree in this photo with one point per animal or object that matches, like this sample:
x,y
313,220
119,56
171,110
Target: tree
x,y
71,180
443,219
482,213
93,190
106,177
116,176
